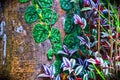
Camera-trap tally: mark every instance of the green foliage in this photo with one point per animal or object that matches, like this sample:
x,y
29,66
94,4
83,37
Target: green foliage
x,y
30,14
55,39
71,41
49,16
66,4
50,54
69,24
43,3
40,33
23,1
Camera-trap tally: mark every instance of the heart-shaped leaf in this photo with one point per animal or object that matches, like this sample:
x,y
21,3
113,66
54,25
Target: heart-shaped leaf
x,y
66,4
40,33
43,3
55,39
49,16
78,70
68,25
22,1
55,36
30,14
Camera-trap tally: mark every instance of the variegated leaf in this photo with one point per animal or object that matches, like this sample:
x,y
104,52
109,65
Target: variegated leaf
x,y
47,70
52,68
66,62
58,77
85,77
43,75
73,62
78,70
62,52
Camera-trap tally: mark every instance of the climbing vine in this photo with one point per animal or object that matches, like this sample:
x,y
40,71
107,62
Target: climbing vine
x,y
90,31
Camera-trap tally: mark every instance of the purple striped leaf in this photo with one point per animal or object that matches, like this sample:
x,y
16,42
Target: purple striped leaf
x,y
47,70
66,62
65,49
71,52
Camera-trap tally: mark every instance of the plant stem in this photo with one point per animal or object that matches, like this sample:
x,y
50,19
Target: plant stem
x,y
98,28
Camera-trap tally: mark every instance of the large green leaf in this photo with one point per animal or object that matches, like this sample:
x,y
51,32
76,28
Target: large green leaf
x,y
30,14
69,23
40,33
66,4
55,36
50,54
43,3
49,16
71,41
22,1
55,39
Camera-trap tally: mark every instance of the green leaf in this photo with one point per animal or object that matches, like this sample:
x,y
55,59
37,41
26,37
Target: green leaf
x,y
30,14
23,1
57,64
55,39
66,4
92,75
49,16
43,3
118,29
71,41
86,8
50,54
69,24
78,70
40,33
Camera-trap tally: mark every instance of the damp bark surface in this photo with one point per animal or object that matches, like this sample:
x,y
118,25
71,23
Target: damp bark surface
x,y
23,55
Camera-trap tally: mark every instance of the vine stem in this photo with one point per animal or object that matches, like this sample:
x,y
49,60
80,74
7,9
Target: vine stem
x,y
98,28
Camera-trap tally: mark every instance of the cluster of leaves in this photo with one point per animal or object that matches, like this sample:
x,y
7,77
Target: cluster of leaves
x,y
41,13
77,57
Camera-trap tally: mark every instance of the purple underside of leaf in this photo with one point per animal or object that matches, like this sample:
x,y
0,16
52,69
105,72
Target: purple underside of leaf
x,y
47,70
82,40
65,49
66,62
91,61
52,68
80,61
71,52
